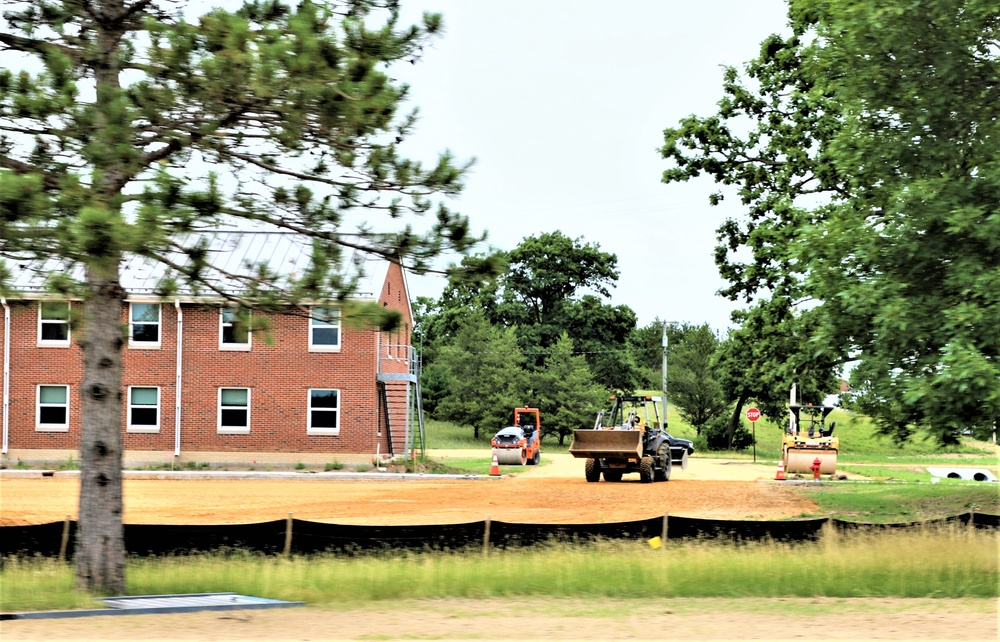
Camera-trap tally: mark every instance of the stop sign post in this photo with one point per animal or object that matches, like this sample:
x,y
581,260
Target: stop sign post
x,y
753,415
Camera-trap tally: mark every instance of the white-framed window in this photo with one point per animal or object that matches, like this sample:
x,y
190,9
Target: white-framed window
x,y
53,323
324,412
234,410
52,409
143,409
324,330
234,329
144,325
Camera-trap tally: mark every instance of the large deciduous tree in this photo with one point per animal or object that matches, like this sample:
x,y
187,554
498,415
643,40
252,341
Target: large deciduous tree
x,y
864,149
555,284
126,127
909,265
547,285
768,353
768,141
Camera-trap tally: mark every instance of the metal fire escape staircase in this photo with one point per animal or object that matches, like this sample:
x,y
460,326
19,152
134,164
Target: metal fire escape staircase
x,y
398,381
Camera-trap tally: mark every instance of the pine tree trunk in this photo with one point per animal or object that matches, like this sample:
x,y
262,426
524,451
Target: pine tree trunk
x,y
100,549
100,543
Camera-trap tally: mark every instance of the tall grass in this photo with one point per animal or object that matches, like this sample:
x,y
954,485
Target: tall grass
x,y
915,563
445,435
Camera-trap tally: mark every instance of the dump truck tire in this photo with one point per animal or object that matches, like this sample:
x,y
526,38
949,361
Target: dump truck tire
x,y
592,470
663,454
647,471
612,475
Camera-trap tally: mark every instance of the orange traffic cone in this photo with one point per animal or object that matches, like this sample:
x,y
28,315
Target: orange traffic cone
x,y
495,467
781,469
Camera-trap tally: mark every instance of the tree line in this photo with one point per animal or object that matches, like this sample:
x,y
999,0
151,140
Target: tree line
x,y
544,333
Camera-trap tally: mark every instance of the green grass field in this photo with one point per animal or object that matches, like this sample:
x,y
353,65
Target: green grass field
x,y
880,503
859,443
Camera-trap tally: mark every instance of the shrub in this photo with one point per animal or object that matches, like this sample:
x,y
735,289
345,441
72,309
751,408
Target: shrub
x,y
714,434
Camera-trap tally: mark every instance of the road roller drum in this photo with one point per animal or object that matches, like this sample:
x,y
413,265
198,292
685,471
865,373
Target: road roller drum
x,y
510,456
800,460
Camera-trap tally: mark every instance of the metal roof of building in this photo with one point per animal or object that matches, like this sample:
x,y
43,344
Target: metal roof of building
x,y
233,256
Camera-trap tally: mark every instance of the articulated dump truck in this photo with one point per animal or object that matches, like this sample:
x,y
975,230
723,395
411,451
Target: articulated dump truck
x,y
808,438
634,440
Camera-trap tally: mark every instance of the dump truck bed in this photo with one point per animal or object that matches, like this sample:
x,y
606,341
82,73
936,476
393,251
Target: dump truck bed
x,y
606,444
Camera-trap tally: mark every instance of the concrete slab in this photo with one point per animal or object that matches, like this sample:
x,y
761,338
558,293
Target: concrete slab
x,y
156,604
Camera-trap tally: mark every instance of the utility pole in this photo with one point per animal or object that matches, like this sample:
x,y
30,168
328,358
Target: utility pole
x,y
664,385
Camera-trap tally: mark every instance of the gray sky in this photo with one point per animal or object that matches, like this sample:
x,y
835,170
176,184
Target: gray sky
x,y
563,104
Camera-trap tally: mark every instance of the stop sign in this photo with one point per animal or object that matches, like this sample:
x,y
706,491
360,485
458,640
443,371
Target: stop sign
x,y
753,414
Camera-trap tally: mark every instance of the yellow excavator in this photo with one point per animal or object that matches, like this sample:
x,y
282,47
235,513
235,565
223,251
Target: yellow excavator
x,y
808,438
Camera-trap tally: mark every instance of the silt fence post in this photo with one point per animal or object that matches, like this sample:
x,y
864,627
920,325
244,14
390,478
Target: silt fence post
x,y
65,539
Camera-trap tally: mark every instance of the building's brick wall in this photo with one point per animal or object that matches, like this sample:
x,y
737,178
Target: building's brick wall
x,y
152,367
279,370
394,351
31,366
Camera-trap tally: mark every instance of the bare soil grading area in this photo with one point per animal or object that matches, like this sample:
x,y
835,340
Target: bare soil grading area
x,y
552,494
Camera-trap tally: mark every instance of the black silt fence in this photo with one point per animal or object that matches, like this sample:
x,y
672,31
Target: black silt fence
x,y
508,534
316,537
308,538
739,531
177,539
43,540
981,520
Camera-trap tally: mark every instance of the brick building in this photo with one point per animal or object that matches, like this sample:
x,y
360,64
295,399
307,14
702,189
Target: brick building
x,y
199,386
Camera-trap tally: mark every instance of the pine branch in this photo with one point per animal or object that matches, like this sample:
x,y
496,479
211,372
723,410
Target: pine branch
x,y
172,147
135,8
36,46
20,167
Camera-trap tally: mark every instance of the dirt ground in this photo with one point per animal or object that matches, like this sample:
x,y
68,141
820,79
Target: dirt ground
x,y
830,620
552,493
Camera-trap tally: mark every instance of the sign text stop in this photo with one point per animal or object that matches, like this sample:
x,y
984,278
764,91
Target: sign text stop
x,y
753,414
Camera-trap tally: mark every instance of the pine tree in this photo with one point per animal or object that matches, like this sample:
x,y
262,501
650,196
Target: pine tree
x,y
128,128
568,397
487,378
